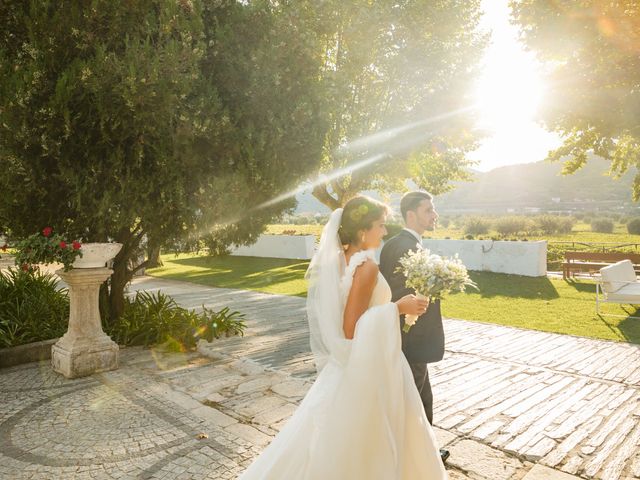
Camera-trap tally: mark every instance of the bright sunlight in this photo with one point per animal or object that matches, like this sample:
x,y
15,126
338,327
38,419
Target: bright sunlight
x,y
509,93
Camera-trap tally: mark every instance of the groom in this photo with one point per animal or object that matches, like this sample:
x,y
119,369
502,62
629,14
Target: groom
x,y
425,341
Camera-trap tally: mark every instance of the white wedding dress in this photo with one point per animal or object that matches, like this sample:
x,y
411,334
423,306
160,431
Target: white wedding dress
x,y
362,419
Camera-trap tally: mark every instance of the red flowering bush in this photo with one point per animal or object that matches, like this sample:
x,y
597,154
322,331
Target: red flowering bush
x,y
46,247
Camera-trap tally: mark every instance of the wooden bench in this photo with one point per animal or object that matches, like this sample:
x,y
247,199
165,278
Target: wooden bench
x,y
593,261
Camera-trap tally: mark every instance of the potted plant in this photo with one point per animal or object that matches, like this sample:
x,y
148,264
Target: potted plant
x,y
47,247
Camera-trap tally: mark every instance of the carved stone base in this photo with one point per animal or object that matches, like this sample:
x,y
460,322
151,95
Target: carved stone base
x,y
82,358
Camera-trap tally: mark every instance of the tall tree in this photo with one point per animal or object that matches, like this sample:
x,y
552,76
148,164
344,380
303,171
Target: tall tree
x,y
112,127
399,78
592,53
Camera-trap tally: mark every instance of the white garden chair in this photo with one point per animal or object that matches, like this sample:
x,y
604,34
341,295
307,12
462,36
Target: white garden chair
x,y
618,284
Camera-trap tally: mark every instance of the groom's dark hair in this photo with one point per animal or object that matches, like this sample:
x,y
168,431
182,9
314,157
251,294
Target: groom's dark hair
x,y
410,201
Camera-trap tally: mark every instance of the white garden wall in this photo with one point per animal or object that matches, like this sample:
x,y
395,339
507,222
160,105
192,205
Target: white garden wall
x,y
299,247
517,258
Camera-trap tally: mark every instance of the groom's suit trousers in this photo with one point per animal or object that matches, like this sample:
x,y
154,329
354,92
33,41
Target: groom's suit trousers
x,y
421,377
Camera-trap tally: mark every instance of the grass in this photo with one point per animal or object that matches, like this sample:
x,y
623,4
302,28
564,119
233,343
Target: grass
x,y
550,305
271,275
541,303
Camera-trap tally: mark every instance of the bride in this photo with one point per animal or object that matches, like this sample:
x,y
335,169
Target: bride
x,y
363,417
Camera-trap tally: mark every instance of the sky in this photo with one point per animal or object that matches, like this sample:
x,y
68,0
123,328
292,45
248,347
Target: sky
x,y
509,92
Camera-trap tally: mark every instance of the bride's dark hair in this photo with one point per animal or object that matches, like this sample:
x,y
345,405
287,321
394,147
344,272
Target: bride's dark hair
x,y
359,213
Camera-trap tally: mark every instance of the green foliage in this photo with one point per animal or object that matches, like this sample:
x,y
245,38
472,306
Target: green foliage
x,y
179,117
602,225
394,87
552,224
511,225
476,226
32,308
633,226
591,50
155,318
46,248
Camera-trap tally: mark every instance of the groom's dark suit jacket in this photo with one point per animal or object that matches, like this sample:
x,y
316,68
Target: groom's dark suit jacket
x,y
425,341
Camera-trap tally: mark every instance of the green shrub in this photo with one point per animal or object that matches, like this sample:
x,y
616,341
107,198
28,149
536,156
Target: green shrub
x,y
633,226
444,222
566,224
32,308
602,225
151,319
550,224
216,246
476,226
511,225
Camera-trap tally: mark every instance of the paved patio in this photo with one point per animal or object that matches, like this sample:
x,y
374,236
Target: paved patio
x,y
510,403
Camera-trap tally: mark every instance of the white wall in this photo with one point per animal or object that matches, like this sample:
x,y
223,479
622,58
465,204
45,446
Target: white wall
x,y
299,247
517,258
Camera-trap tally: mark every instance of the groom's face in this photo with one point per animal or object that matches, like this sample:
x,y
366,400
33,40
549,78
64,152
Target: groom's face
x,y
426,215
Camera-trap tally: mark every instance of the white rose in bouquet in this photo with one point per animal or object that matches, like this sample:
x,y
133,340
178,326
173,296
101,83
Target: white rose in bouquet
x,y
431,276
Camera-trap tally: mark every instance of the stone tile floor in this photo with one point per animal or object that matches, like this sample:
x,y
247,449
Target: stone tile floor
x,y
510,403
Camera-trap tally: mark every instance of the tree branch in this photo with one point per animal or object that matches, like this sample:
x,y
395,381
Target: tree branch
x,y
322,194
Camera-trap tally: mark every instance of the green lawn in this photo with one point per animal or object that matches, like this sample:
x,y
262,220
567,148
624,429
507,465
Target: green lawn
x,y
550,305
269,275
540,303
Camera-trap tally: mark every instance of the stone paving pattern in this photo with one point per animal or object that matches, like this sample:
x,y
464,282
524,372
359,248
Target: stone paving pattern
x,y
510,403
127,423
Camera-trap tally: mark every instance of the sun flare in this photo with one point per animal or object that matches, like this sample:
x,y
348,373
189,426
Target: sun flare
x,y
510,88
509,92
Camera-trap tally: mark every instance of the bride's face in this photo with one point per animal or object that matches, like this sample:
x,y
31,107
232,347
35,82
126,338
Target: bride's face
x,y
373,236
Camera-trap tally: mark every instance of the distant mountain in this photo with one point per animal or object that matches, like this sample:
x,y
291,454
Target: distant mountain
x,y
522,188
540,185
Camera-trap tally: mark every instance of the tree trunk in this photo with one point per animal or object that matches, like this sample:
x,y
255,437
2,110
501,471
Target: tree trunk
x,y
153,254
103,302
119,280
321,193
121,274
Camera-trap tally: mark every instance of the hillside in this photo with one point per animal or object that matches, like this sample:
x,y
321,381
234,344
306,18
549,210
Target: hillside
x,y
541,185
526,186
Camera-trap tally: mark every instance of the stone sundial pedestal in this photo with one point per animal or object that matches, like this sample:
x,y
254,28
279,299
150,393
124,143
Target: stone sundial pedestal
x,y
85,348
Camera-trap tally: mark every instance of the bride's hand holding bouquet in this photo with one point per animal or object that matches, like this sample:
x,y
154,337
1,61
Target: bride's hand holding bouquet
x,y
432,276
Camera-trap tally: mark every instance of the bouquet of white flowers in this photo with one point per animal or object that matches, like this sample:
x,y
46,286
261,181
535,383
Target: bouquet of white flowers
x,y
431,276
